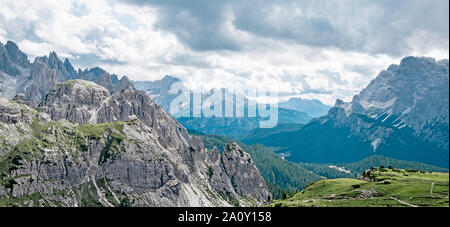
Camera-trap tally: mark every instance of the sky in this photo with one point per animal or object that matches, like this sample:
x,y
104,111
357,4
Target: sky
x,y
322,50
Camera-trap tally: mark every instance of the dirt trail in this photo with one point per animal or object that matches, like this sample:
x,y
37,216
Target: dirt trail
x,y
431,189
402,202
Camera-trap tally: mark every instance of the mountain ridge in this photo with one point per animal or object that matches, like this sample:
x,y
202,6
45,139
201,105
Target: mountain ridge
x,y
35,79
403,114
145,160
234,127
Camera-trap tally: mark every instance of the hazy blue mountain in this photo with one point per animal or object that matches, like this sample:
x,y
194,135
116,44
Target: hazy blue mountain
x,y
403,114
227,126
159,90
260,134
237,127
313,108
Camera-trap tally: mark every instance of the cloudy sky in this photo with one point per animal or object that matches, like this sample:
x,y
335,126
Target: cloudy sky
x,y
312,49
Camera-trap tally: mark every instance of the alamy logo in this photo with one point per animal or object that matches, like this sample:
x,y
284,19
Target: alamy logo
x,y
251,103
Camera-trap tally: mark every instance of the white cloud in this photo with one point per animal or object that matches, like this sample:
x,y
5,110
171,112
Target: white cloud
x,y
129,40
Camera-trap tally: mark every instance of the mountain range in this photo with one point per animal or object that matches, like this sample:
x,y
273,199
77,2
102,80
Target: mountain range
x,y
98,141
87,138
294,111
403,113
313,108
35,79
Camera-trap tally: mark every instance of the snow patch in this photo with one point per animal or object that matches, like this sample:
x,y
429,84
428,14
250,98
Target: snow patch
x,y
375,144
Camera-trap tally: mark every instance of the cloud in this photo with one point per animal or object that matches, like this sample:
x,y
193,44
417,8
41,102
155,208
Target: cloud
x,y
200,24
377,27
313,49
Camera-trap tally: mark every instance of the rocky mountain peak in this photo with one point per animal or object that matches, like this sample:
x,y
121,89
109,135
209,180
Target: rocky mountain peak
x,y
418,63
16,55
132,149
12,59
36,79
339,102
74,100
413,94
167,79
76,92
69,67
406,90
417,84
83,102
245,177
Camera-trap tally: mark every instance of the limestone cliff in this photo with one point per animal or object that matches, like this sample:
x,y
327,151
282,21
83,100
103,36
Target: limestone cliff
x,y
86,147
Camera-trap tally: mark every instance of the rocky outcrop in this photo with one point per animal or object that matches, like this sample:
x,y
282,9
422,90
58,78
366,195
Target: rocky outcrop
x,y
74,100
133,154
104,79
245,177
86,102
413,94
22,99
11,58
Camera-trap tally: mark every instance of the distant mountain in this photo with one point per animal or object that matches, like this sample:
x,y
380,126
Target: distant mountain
x,y
261,134
237,127
227,126
159,90
403,113
313,108
35,79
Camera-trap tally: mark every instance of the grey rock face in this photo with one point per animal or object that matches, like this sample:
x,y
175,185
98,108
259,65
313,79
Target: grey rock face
x,y
74,100
11,58
22,99
134,155
11,113
403,113
413,94
16,55
104,79
244,176
85,102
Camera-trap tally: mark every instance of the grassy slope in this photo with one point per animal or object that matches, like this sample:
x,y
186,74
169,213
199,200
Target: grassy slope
x,y
413,188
